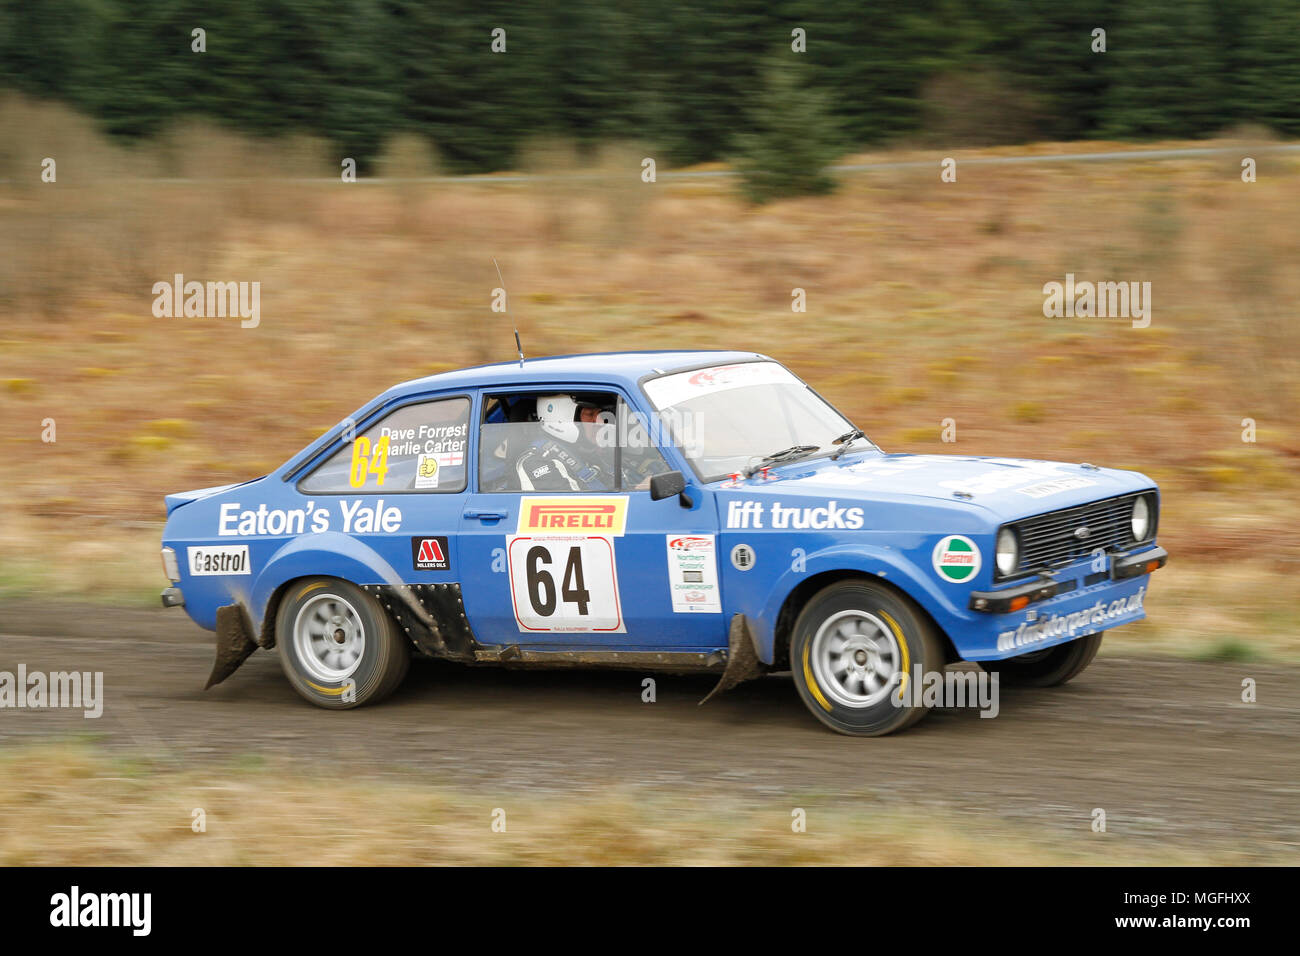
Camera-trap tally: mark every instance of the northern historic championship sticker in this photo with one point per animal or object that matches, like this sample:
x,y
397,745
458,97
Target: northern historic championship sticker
x,y
956,558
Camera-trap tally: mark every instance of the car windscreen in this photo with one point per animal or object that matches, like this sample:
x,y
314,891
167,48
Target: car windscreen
x,y
728,417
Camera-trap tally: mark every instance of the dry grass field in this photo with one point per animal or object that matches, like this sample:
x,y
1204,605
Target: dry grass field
x,y
63,805
924,303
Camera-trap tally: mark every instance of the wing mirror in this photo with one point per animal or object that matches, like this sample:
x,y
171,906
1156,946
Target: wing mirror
x,y
668,484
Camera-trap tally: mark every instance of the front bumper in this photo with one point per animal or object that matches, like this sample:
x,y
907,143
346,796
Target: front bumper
x,y
1067,603
1017,597
172,597
1125,566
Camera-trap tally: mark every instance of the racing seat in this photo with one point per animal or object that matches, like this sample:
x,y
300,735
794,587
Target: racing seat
x,y
504,443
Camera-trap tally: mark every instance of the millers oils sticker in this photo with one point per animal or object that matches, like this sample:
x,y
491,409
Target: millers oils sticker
x,y
429,554
956,558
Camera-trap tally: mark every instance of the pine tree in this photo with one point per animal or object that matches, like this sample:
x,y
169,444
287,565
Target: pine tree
x,y
793,136
1164,64
1263,72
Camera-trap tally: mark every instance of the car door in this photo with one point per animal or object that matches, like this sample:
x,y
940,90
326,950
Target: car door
x,y
581,569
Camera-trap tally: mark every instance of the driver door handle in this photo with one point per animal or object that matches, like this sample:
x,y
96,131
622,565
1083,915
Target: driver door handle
x,y
486,515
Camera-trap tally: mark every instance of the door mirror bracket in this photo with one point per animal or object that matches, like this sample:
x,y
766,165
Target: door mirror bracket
x,y
668,484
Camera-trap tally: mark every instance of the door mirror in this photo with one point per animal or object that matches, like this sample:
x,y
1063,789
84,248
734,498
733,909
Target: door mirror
x,y
666,485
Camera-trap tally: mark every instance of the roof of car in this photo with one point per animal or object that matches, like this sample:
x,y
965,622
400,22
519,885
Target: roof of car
x,y
613,368
596,368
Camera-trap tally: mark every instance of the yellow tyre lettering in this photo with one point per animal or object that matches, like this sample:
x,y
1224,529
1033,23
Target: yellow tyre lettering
x,y
810,681
329,691
902,647
308,589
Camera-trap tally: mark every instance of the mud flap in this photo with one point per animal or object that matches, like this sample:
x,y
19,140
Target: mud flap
x,y
742,659
234,643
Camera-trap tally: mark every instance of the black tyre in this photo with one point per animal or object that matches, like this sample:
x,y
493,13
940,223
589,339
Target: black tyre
x,y
337,646
854,646
1047,668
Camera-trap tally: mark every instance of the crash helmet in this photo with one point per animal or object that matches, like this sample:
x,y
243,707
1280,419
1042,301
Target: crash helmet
x,y
558,416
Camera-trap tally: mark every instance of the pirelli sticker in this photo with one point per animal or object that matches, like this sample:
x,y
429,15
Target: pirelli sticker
x,y
604,515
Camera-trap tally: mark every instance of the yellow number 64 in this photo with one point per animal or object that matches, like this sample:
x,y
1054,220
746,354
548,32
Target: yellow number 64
x,y
364,463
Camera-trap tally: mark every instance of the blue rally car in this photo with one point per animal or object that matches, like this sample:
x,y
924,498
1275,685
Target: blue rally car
x,y
674,511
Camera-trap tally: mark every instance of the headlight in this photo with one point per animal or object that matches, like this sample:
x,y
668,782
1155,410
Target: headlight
x,y
1008,552
1140,521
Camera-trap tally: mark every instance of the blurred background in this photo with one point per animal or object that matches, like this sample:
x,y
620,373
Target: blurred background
x,y
924,298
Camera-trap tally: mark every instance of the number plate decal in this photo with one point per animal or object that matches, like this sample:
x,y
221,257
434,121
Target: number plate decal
x,y
564,584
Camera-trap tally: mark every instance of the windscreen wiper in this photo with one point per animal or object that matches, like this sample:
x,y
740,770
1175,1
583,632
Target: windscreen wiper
x,y
785,454
845,440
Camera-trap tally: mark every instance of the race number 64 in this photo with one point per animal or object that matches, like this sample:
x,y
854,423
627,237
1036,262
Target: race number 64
x,y
564,584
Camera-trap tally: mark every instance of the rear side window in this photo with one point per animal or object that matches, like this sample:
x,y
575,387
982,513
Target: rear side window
x,y
421,448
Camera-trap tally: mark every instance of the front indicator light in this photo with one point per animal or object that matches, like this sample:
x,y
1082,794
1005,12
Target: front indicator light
x,y
1126,566
1014,598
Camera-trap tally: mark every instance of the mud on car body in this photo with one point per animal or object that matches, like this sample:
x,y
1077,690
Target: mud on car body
x,y
741,525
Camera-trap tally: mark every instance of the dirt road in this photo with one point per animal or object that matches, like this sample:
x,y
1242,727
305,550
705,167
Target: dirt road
x,y
1166,747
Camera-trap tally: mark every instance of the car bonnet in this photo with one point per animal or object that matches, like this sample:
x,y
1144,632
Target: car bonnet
x,y
1010,487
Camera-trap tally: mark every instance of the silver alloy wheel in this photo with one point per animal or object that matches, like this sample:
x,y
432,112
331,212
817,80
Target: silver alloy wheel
x,y
328,637
856,658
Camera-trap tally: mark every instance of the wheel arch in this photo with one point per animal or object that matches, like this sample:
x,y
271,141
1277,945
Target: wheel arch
x,y
330,555
799,596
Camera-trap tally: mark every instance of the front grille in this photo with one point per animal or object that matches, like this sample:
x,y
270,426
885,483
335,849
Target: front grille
x,y
1049,540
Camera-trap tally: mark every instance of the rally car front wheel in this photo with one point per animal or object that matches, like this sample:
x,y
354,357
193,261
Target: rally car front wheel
x,y
855,647
337,646
1049,667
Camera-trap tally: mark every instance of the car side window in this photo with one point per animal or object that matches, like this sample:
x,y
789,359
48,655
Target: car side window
x,y
553,442
417,448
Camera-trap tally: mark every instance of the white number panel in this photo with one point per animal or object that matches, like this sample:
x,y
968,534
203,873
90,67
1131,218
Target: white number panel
x,y
564,583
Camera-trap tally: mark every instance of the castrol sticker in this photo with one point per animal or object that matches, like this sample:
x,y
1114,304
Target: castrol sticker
x,y
956,559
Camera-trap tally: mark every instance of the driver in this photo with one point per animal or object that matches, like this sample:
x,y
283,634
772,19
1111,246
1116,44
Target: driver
x,y
567,456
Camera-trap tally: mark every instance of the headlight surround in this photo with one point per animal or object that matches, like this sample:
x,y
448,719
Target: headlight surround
x,y
1007,553
1142,518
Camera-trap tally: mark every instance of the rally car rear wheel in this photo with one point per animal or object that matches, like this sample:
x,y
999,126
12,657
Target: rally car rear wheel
x,y
1046,668
337,646
854,647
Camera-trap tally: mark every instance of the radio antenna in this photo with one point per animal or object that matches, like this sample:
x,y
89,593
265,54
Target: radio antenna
x,y
518,348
